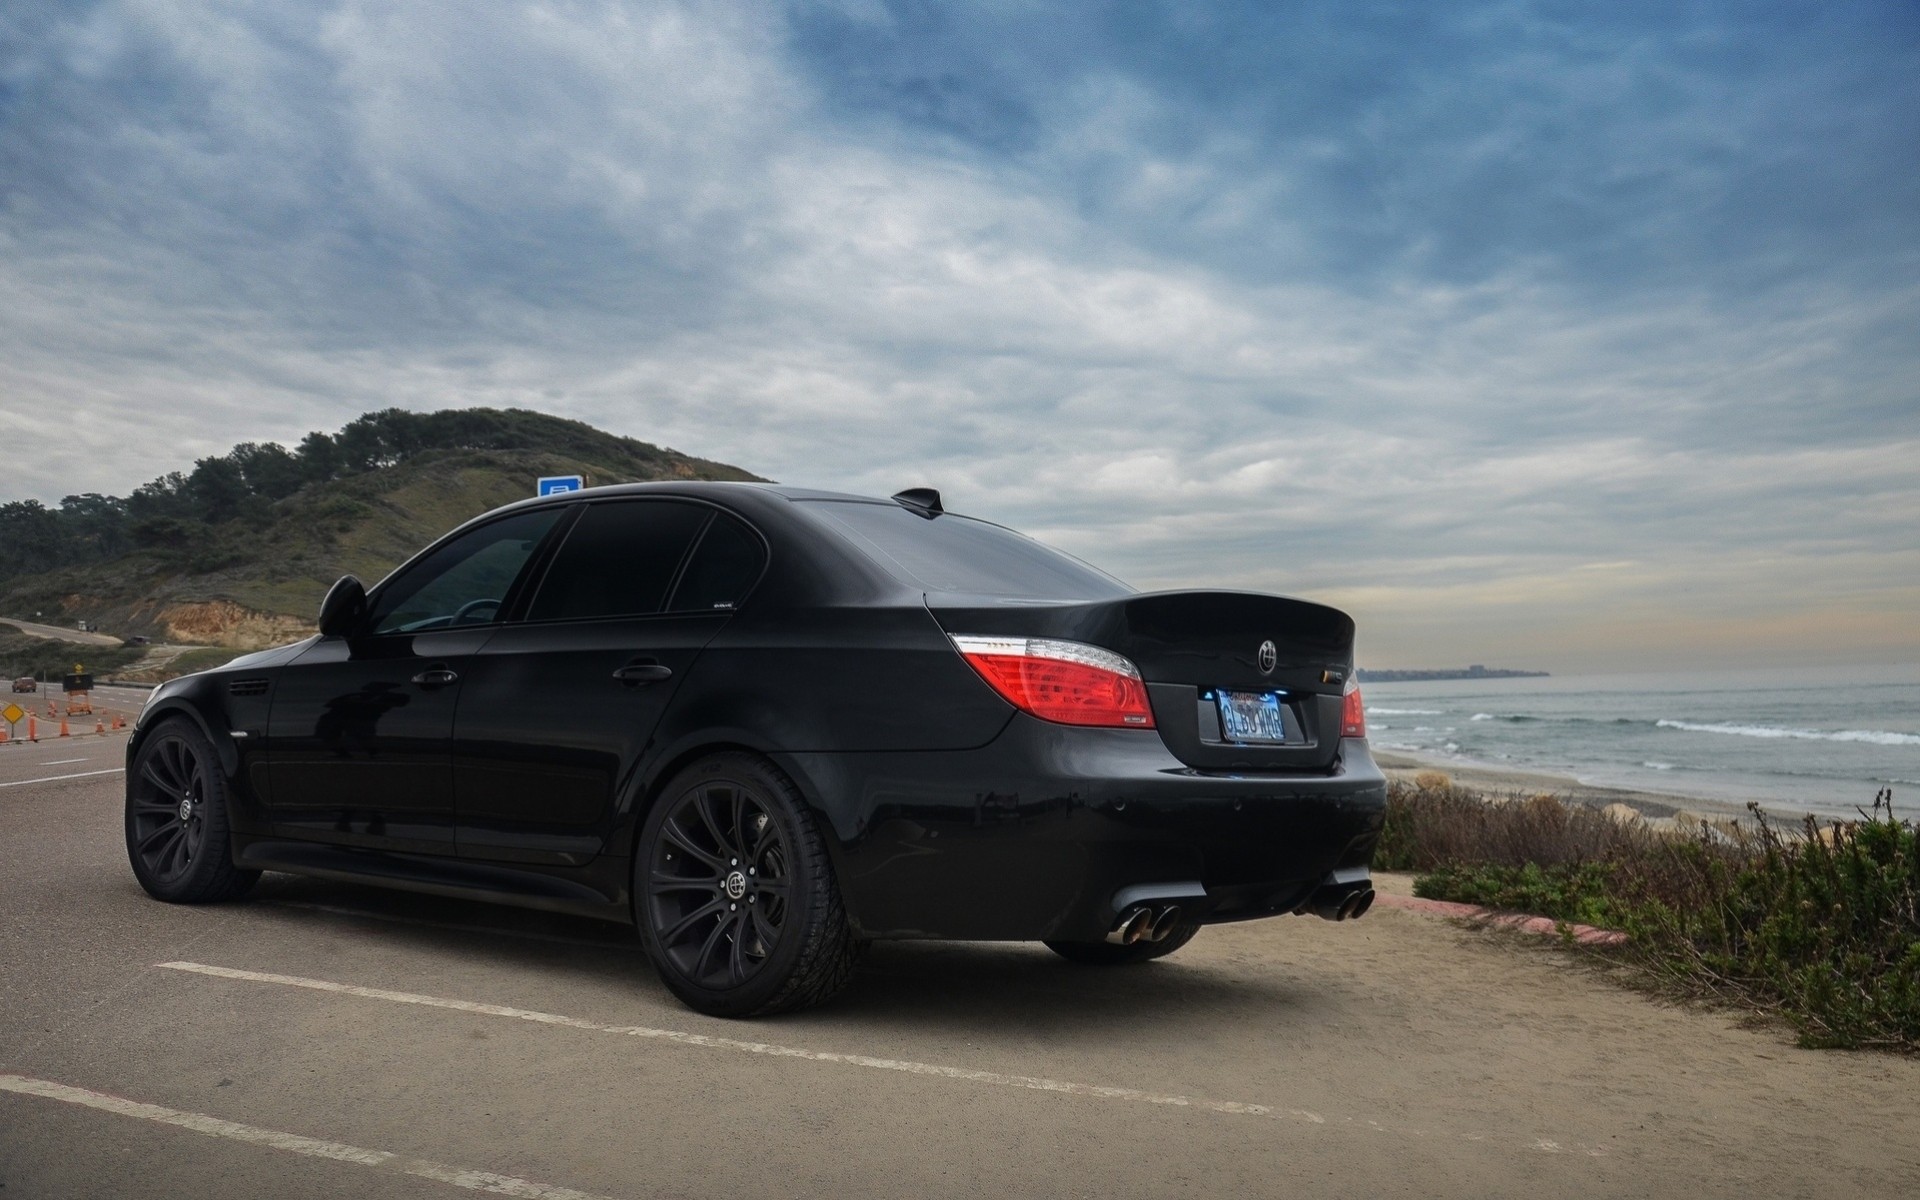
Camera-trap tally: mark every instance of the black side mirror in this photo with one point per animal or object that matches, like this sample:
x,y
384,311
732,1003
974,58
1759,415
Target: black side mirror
x,y
345,607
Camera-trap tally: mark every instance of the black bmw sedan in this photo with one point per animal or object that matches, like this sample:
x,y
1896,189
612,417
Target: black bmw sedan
x,y
767,726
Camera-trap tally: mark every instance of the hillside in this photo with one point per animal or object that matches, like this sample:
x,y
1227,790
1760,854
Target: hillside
x,y
215,557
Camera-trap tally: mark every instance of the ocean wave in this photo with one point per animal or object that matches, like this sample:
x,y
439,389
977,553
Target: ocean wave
x,y
1404,712
1483,717
1658,766
1874,737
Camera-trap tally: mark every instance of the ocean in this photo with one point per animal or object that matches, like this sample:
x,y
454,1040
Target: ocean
x,y
1819,740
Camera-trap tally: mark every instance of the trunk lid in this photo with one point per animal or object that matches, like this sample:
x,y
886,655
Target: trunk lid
x,y
1191,647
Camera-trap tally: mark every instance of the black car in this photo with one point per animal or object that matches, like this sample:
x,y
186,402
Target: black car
x,y
768,725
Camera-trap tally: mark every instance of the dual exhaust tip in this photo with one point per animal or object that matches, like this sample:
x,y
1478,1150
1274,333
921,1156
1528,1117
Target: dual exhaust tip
x,y
1143,923
1330,904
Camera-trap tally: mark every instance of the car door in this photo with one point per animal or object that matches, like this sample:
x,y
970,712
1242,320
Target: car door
x,y
360,737
560,706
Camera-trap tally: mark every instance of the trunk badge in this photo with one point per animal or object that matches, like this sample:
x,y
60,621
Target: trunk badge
x,y
1269,658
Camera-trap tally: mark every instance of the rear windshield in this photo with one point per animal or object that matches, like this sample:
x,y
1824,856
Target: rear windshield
x,y
959,554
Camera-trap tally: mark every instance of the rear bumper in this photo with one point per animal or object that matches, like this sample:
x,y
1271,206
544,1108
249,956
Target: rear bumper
x,y
1038,834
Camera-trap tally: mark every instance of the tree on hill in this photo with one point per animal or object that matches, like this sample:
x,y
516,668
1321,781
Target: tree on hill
x,y
175,510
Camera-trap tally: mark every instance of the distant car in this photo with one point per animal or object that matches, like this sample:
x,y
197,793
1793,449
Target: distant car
x,y
26,683
768,725
138,640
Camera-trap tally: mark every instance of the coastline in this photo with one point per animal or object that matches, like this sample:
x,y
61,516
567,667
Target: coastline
x,y
1501,781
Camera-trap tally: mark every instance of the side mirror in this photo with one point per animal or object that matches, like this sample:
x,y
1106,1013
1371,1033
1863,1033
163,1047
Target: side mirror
x,y
345,607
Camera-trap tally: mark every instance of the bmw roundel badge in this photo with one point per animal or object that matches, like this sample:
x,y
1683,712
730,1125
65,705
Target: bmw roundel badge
x,y
1269,658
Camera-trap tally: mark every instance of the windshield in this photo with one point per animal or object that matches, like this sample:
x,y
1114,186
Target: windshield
x,y
959,554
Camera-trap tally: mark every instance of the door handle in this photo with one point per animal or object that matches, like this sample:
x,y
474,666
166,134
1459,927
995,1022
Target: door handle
x,y
643,672
436,677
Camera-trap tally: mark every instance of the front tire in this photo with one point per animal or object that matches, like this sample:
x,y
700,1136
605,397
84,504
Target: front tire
x,y
734,895
179,836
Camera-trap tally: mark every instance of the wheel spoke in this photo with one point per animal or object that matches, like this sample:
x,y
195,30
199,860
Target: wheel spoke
x,y
769,933
705,810
152,776
776,888
706,951
739,814
660,882
152,839
673,833
736,963
672,936
177,857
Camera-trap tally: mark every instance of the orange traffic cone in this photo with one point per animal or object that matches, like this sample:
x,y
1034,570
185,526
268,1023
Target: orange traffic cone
x,y
99,726
33,728
63,727
3,733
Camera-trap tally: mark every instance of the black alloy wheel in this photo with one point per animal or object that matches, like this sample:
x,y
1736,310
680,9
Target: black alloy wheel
x,y
177,829
736,900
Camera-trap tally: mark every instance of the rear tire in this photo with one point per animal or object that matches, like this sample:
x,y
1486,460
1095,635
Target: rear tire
x,y
734,894
179,834
1106,954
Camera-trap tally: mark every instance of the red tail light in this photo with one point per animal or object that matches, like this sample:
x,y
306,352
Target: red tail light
x,y
1068,682
1353,718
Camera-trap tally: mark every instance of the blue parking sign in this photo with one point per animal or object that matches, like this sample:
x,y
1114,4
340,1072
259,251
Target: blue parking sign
x,y
552,484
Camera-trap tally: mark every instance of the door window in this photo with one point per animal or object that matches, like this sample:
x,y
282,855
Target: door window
x,y
619,559
465,581
724,566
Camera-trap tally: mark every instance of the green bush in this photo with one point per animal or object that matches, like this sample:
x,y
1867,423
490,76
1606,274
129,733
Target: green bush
x,y
1821,926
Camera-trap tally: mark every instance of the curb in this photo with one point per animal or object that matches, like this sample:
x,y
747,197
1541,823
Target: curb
x,y
1584,934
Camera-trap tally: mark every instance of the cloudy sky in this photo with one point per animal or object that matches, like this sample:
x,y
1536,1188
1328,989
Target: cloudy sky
x,y
1576,336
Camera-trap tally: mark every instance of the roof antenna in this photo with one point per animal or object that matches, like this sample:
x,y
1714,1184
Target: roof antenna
x,y
921,502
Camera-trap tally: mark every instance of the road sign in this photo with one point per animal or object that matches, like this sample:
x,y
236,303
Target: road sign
x,y
78,682
551,485
13,713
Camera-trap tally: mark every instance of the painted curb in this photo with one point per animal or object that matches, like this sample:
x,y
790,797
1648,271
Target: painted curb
x,y
1584,934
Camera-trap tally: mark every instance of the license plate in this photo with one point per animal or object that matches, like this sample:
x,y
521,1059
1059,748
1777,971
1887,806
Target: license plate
x,y
1252,717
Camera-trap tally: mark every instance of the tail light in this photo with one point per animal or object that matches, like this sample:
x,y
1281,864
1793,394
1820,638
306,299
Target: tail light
x,y
1068,682
1353,717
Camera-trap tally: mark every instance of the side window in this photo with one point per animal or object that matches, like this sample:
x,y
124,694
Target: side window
x,y
619,559
465,581
724,566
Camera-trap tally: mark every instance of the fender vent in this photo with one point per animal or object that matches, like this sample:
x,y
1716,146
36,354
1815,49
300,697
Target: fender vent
x,y
247,687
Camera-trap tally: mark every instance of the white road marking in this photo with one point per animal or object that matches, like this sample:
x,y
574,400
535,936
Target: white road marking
x,y
1030,1082
935,1070
57,778
476,1181
489,930
62,762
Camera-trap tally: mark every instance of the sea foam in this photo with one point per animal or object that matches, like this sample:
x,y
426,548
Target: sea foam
x,y
1876,737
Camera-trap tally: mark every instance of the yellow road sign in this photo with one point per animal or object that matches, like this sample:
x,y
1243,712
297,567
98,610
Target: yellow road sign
x,y
13,713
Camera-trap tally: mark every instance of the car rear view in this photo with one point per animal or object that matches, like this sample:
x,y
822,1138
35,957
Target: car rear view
x,y
1171,759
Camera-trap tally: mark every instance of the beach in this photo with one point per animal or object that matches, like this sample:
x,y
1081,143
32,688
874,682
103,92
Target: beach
x,y
1496,781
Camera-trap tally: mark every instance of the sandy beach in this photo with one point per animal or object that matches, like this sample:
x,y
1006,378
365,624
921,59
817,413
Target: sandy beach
x,y
1496,781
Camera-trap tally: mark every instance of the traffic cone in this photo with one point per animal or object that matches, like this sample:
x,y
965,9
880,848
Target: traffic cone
x,y
33,728
63,727
3,733
99,726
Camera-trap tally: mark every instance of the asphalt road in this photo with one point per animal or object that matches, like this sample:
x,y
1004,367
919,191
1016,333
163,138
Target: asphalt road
x,y
322,1039
61,633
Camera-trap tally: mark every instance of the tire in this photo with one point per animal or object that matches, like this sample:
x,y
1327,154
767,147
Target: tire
x,y
734,895
1106,954
179,836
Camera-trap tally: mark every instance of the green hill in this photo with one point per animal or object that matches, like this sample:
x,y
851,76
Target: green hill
x,y
239,551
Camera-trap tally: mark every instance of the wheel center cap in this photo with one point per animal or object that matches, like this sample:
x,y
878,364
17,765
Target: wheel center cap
x,y
186,808
736,885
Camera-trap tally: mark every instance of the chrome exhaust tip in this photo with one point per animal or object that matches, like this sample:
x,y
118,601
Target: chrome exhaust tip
x,y
1354,906
1134,924
1165,923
